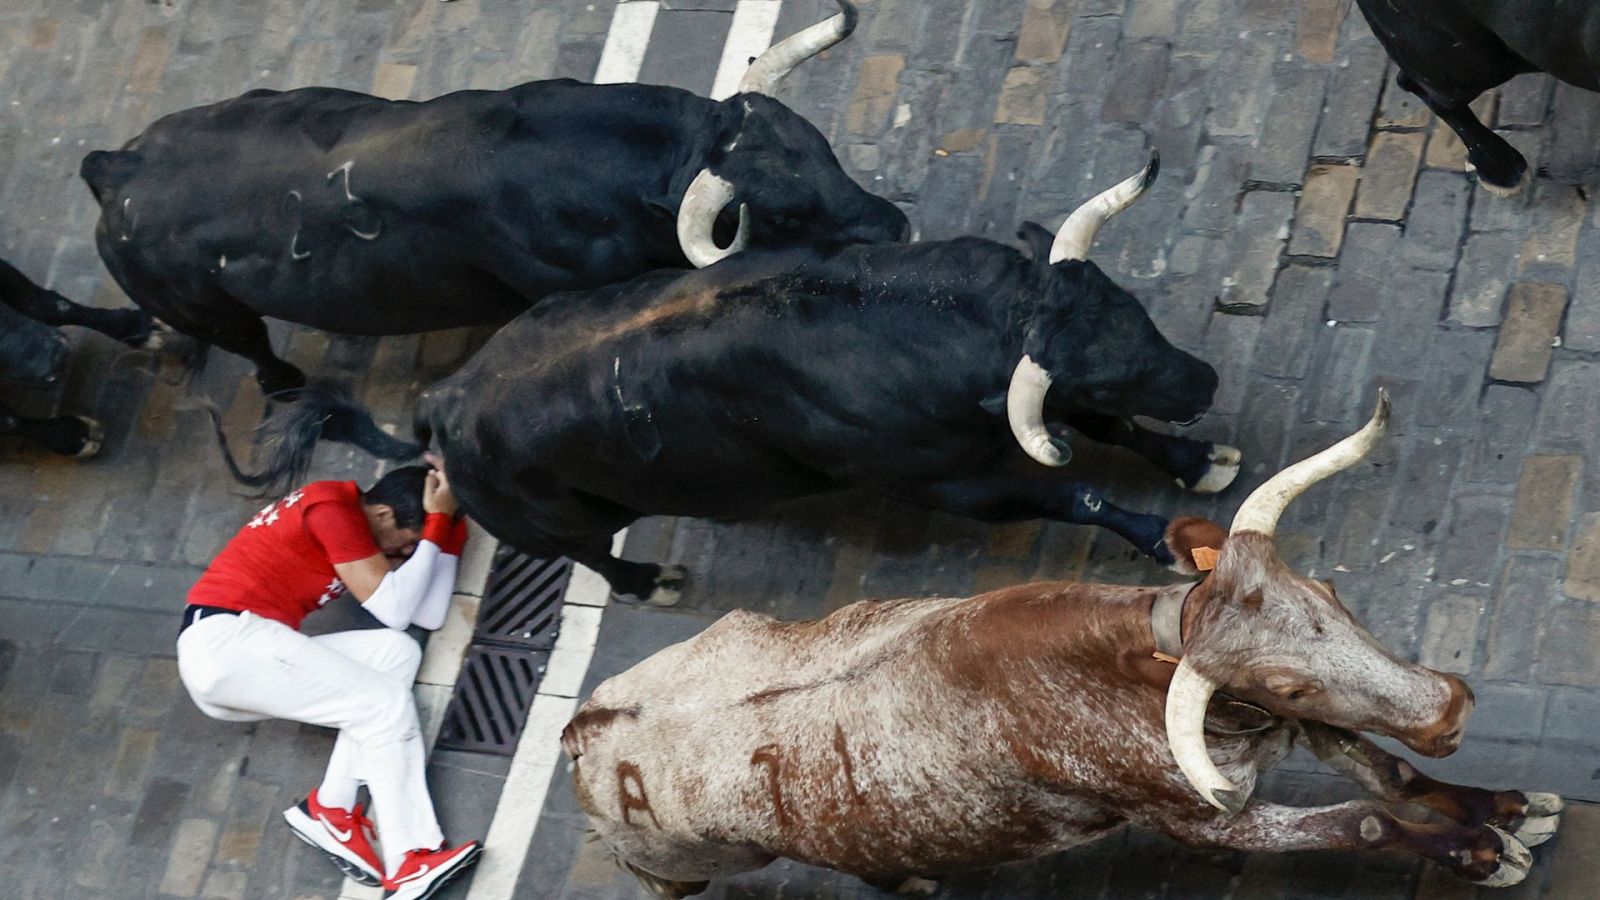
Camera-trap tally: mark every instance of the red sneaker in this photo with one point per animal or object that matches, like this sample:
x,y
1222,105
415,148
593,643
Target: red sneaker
x,y
346,837
423,872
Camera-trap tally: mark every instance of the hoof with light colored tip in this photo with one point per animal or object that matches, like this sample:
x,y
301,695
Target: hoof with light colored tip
x,y
1515,860
669,586
1543,803
93,439
1511,191
1224,469
917,887
161,336
1536,830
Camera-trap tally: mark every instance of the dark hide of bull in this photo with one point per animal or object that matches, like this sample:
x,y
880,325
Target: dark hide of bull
x,y
768,377
360,215
33,353
130,326
1450,51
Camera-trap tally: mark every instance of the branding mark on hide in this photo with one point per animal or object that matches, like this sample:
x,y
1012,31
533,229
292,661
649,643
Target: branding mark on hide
x,y
767,755
629,801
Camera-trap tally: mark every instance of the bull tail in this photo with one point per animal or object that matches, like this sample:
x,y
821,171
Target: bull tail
x,y
106,171
318,414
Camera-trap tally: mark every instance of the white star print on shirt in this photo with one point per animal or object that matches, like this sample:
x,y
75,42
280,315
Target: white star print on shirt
x,y
334,589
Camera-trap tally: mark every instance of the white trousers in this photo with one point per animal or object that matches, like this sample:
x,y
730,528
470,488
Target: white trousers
x,y
245,668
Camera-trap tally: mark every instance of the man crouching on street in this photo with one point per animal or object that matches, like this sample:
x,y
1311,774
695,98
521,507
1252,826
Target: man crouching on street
x,y
243,658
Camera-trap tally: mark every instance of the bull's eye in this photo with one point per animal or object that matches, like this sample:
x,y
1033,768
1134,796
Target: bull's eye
x,y
1297,694
785,223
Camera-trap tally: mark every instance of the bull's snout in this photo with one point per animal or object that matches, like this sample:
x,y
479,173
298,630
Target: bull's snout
x,y
1444,737
1188,390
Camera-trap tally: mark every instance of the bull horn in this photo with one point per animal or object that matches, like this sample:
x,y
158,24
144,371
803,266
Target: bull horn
x,y
1260,511
1025,411
702,202
1187,698
1078,231
780,59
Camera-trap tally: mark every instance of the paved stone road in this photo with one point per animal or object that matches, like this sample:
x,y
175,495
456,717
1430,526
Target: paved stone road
x,y
1312,234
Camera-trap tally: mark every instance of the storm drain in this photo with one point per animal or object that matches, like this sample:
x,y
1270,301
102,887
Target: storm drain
x,y
517,626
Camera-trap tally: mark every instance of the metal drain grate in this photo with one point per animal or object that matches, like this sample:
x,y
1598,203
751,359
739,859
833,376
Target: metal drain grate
x,y
517,626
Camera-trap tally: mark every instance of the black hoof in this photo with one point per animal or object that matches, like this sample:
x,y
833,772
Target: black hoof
x,y
668,588
1505,179
79,437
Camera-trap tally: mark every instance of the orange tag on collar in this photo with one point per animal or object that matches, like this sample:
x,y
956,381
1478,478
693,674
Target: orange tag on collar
x,y
1166,658
1205,558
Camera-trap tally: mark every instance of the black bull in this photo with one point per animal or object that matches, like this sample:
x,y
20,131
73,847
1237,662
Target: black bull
x,y
360,215
772,376
1450,51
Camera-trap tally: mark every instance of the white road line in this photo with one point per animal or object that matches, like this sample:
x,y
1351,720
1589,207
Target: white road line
x,y
753,24
631,25
539,749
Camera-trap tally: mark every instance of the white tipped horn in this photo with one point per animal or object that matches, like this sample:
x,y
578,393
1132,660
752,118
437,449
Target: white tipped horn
x,y
1187,698
698,212
1025,411
1078,231
1261,510
780,59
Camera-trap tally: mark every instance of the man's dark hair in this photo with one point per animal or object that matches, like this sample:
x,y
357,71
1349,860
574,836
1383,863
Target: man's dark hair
x,y
401,490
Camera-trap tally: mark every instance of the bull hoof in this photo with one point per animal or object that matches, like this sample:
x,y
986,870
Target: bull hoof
x,y
160,337
1223,470
1511,188
917,887
94,438
668,586
1543,818
1513,862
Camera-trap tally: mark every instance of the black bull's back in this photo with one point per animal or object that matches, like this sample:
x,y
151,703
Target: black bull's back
x,y
719,392
356,214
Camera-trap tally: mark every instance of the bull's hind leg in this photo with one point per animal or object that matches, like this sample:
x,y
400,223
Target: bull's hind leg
x,y
1006,496
133,327
1199,466
1501,169
240,331
77,436
1485,854
1532,818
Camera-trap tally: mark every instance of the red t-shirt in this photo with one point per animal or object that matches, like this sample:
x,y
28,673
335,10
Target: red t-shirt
x,y
280,564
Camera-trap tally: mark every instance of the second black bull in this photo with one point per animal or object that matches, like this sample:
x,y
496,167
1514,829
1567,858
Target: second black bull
x,y
919,371
360,215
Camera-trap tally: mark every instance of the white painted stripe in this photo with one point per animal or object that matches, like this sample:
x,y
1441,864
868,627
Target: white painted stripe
x,y
623,54
753,24
538,753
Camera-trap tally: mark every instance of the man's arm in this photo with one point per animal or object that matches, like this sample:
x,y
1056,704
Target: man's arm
x,y
435,603
394,596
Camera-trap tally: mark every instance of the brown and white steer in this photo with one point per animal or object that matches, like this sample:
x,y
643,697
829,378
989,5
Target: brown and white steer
x,y
908,738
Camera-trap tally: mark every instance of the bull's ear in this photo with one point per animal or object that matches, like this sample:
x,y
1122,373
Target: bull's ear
x,y
1036,240
1195,543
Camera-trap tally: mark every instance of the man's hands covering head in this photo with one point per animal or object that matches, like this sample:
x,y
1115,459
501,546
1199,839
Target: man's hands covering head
x,y
436,494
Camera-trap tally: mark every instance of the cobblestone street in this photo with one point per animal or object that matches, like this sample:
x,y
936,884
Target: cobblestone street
x,y
1313,234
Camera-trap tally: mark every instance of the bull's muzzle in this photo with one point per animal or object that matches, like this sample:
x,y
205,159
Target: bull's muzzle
x,y
1444,737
